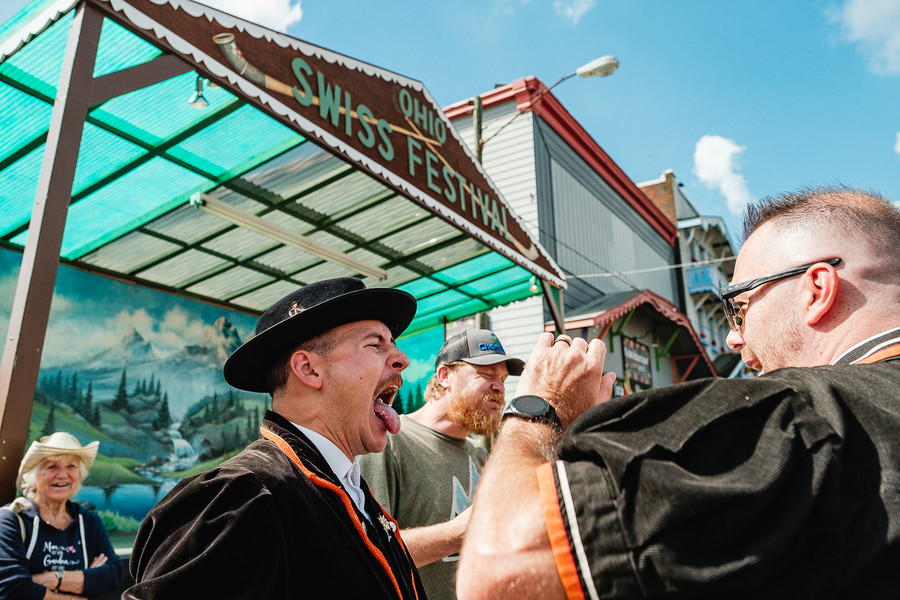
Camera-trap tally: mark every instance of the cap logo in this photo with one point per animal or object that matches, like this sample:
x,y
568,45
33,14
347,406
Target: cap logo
x,y
295,309
491,348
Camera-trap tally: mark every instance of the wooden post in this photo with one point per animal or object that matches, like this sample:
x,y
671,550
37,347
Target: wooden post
x,y
21,361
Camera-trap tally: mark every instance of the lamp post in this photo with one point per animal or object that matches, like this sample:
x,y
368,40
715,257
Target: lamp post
x,y
599,67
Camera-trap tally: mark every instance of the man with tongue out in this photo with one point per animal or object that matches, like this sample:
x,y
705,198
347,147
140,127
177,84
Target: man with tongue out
x,y
289,516
427,475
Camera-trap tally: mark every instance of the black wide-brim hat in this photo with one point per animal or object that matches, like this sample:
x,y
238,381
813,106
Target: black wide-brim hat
x,y
308,312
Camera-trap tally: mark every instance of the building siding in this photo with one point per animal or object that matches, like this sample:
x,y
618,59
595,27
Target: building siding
x,y
585,225
593,239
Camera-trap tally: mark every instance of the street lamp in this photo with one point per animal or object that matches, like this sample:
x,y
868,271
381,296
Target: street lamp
x,y
599,67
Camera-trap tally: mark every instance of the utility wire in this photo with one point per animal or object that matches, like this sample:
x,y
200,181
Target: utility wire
x,y
662,268
621,277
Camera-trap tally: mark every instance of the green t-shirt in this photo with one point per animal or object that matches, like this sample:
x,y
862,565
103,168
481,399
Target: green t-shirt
x,y
425,477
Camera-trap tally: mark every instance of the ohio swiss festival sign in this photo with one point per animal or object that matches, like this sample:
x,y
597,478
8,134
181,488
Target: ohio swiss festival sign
x,y
386,124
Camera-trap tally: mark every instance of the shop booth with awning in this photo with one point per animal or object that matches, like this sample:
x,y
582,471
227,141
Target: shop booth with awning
x,y
645,329
170,145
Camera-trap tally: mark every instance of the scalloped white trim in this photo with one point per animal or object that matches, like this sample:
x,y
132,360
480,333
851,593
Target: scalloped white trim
x,y
35,26
50,15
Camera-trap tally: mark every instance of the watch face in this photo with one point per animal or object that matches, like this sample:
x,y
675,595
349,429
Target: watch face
x,y
531,405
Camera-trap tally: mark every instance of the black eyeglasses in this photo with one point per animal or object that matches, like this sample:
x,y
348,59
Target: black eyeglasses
x,y
733,311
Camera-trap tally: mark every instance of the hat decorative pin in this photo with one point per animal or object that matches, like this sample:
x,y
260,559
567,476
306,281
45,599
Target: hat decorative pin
x,y
295,309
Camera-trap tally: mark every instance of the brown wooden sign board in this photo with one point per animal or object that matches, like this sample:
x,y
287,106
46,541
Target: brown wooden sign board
x,y
384,123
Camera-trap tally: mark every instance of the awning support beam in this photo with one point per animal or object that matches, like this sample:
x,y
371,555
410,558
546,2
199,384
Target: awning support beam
x,y
137,77
556,306
21,361
241,218
620,330
695,358
664,351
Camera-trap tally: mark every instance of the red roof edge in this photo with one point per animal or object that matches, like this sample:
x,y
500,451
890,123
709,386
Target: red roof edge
x,y
524,91
660,304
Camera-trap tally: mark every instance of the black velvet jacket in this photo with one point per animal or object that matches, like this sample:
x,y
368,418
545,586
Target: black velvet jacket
x,y
781,486
266,524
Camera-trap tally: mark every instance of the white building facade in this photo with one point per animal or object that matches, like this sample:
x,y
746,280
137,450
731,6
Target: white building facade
x,y
616,247
707,253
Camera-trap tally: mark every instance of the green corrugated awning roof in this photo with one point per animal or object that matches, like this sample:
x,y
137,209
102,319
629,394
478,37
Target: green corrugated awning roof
x,y
144,154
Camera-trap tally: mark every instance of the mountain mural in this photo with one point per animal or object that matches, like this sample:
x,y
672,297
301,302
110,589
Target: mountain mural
x,y
189,374
141,372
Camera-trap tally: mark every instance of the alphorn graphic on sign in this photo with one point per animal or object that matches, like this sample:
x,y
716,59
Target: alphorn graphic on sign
x,y
234,56
231,52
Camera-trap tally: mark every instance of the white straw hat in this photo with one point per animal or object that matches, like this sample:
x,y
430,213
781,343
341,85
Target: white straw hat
x,y
59,443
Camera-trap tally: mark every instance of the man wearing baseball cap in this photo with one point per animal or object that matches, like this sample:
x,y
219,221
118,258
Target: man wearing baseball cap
x,y
427,474
289,517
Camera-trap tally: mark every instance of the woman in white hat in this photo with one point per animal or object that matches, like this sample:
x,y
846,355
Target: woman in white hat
x,y
50,547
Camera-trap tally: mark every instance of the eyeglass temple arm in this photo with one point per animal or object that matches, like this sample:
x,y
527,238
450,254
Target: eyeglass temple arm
x,y
734,290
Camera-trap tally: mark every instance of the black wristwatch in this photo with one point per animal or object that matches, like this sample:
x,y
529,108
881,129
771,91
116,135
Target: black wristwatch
x,y
532,408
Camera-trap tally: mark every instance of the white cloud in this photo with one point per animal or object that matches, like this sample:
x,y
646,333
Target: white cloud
x,y
875,25
417,370
167,335
275,14
714,165
507,7
897,145
78,336
7,291
60,304
573,10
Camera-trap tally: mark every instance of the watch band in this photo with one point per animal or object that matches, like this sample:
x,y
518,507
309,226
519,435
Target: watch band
x,y
60,574
532,408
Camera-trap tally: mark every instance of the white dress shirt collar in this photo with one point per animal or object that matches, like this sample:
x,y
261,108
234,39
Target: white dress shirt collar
x,y
347,470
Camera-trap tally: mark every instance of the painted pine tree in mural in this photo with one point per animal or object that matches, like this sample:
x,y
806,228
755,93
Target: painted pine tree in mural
x,y
145,380
120,402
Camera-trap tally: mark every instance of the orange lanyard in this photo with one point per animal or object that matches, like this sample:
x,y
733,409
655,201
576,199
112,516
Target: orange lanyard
x,y
348,505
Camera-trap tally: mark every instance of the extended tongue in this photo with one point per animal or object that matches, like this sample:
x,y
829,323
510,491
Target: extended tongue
x,y
388,416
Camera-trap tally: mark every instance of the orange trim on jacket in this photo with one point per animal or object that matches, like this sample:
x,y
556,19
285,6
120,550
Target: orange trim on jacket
x,y
345,499
556,530
883,354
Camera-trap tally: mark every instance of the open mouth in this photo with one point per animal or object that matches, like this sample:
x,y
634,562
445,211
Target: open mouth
x,y
384,411
387,395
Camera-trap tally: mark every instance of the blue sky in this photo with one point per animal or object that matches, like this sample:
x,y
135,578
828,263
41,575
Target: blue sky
x,y
741,99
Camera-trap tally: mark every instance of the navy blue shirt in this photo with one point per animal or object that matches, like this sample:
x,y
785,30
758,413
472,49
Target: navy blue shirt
x,y
54,549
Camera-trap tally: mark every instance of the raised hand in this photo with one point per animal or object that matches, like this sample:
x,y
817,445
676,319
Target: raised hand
x,y
568,374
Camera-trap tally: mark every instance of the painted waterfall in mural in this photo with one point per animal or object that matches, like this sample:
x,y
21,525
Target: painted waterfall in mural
x,y
141,371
